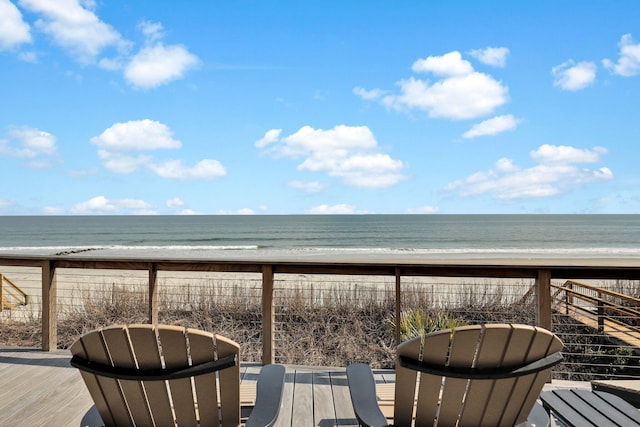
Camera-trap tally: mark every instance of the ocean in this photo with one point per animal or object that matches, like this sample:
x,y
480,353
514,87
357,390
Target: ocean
x,y
301,236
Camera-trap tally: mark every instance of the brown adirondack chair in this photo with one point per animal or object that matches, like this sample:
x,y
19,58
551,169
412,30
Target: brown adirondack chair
x,y
163,375
481,375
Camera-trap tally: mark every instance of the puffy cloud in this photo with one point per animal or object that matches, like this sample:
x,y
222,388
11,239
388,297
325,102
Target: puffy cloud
x,y
30,143
572,76
555,173
34,145
340,209
449,64
494,56
564,154
13,30
74,27
101,205
492,126
269,137
307,187
350,153
141,135
117,141
157,65
629,58
457,98
462,93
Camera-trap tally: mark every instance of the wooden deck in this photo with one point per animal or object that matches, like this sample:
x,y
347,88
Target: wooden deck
x,y
41,389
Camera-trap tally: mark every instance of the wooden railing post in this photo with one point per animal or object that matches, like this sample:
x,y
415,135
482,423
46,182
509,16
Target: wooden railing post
x,y
153,293
268,315
1,295
543,297
49,307
600,316
398,307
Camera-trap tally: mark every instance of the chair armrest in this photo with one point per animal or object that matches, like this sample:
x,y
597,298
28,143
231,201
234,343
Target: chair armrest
x,y
362,388
268,396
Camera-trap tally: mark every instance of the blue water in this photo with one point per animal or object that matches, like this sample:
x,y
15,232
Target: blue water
x,y
440,236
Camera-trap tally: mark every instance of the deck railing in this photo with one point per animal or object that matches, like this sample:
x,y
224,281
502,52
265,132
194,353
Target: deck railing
x,y
541,272
602,305
10,294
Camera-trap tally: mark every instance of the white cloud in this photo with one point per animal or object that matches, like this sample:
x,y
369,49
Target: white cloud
x,y
153,31
492,126
308,187
340,209
74,27
156,65
140,135
176,202
457,98
449,64
34,145
564,154
572,76
269,137
555,173
461,92
423,210
494,56
123,164
204,169
13,30
243,211
369,95
350,153
4,203
629,58
146,135
101,205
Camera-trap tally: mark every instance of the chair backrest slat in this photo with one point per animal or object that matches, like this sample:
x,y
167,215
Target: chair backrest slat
x,y
147,351
117,342
464,345
175,354
202,347
230,382
92,381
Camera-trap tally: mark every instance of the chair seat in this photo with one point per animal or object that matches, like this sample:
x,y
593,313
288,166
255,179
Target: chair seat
x,y
583,408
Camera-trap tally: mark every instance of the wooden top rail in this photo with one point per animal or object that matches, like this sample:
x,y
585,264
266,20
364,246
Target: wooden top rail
x,y
365,265
627,298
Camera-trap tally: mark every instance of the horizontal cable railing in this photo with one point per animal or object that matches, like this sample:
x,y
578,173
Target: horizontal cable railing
x,y
332,313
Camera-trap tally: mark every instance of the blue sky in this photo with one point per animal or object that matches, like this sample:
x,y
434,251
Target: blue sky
x,y
296,107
